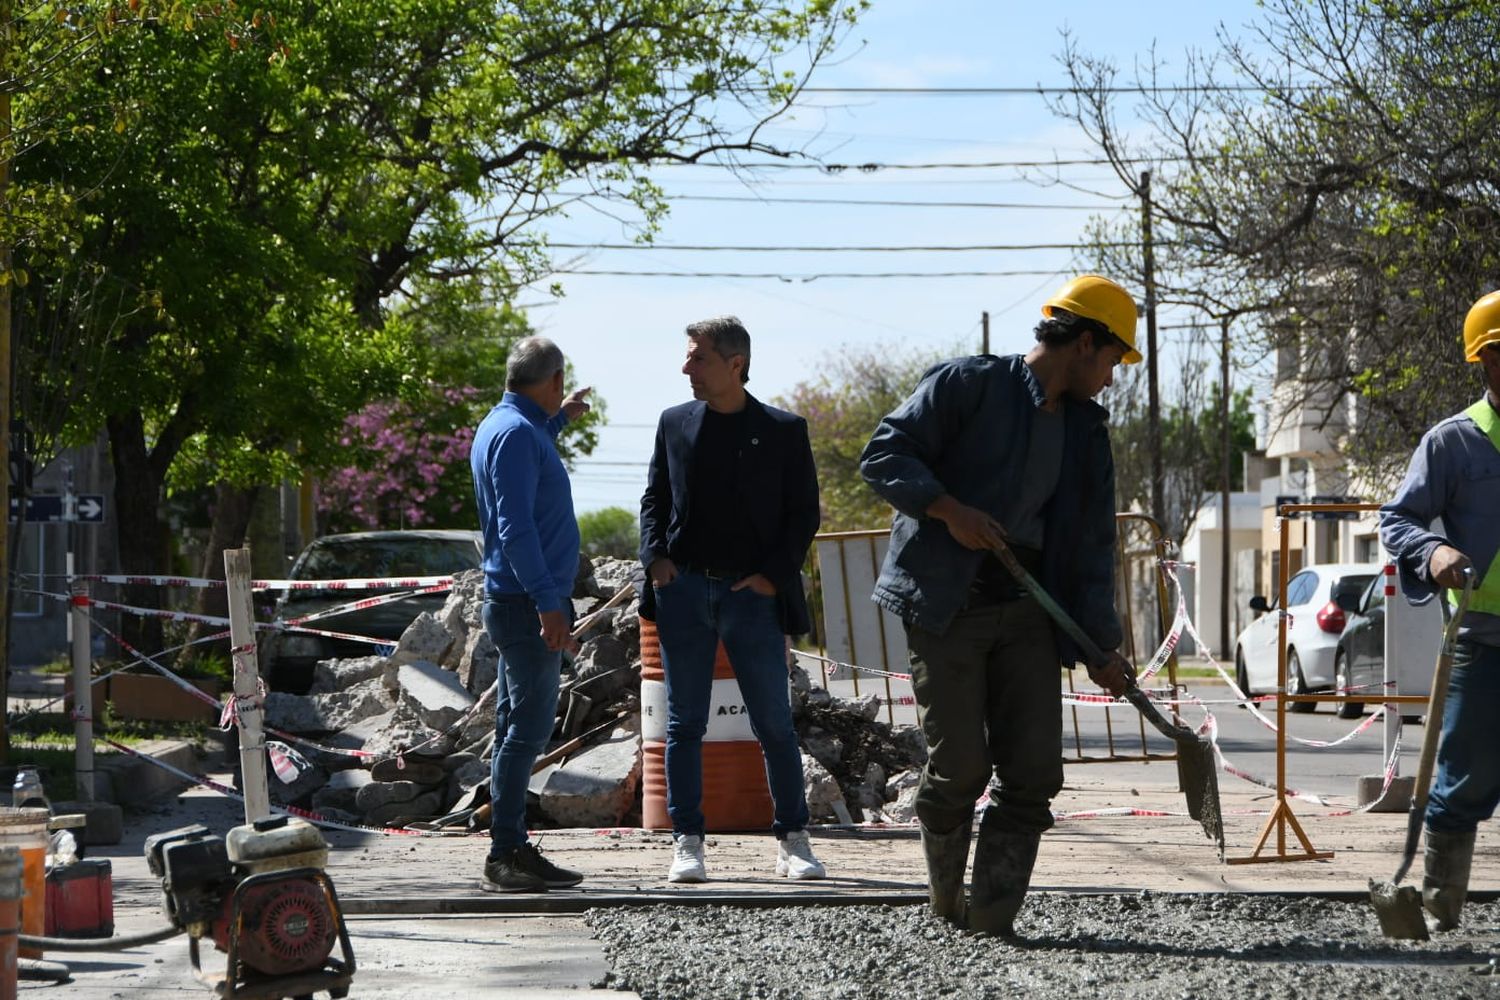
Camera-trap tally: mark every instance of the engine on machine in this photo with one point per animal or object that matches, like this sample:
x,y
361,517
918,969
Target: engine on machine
x,y
262,895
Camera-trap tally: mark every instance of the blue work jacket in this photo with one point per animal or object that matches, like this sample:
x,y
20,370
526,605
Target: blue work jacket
x,y
965,432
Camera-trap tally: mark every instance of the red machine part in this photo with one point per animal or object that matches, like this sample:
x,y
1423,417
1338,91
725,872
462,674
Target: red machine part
x,y
287,927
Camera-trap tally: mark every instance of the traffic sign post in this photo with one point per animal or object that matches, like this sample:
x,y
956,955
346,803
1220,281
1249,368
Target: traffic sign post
x,y
87,508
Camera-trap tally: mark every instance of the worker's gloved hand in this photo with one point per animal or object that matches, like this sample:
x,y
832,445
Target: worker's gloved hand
x,y
1446,567
1114,674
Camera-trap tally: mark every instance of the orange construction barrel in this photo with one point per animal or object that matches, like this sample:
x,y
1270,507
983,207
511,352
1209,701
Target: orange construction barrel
x,y
26,829
735,794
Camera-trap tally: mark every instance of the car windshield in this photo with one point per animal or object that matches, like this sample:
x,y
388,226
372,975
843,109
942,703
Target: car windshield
x,y
1347,590
386,557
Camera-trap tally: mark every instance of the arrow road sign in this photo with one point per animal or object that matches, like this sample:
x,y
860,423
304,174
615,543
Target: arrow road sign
x,y
90,508
47,508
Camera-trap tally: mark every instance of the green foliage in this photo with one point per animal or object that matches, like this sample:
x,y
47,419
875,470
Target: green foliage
x,y
1192,442
1332,187
613,532
268,198
856,387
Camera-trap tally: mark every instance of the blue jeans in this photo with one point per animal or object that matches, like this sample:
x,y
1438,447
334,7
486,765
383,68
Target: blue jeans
x,y
1467,786
525,712
693,614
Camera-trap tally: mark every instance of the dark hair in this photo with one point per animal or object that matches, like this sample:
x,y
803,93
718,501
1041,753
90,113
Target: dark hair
x,y
1063,327
728,337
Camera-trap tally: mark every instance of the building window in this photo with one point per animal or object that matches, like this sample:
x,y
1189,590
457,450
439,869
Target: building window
x,y
1366,548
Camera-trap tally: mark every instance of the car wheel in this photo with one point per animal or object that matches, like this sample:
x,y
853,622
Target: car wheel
x,y
1297,684
1346,709
1241,675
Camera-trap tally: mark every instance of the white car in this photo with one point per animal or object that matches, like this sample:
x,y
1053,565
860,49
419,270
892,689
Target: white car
x,y
1319,600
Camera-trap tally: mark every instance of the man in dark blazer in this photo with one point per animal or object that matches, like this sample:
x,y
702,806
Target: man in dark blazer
x,y
730,508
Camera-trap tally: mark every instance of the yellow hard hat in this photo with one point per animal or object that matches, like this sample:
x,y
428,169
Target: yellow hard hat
x,y
1482,325
1099,299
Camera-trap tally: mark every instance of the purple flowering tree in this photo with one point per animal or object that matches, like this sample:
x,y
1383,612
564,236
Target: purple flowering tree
x,y
409,465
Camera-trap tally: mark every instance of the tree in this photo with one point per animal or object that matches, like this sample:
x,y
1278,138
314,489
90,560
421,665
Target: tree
x,y
269,213
1334,173
842,406
612,532
1192,441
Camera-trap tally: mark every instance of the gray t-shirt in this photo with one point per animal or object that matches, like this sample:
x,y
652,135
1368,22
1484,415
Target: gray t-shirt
x,y
1022,517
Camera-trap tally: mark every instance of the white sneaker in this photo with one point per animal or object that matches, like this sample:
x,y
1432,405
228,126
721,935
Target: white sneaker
x,y
794,858
687,860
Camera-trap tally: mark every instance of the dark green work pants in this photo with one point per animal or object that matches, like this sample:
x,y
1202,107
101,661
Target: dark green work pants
x,y
989,703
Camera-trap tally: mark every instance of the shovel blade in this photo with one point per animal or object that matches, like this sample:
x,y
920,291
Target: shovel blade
x,y
1399,909
1198,774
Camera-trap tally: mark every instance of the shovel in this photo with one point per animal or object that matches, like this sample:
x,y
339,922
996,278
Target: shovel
x,y
1197,770
1399,907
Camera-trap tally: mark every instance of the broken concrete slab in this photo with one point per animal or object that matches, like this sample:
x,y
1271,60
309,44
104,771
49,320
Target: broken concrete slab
x,y
341,790
435,696
338,710
424,639
480,662
294,713
337,675
825,800
596,787
398,813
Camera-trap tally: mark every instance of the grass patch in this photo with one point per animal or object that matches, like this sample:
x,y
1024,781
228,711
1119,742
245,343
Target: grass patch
x,y
46,742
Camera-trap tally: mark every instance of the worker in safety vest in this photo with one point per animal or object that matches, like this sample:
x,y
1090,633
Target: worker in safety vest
x,y
1455,475
1009,449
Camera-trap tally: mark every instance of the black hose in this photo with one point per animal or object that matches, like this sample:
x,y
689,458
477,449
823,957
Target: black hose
x,y
98,944
35,968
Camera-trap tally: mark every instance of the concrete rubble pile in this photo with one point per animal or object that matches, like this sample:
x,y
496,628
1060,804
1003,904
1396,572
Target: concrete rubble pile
x,y
409,743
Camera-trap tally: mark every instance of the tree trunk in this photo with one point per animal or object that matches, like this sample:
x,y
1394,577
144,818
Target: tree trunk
x,y
142,535
232,508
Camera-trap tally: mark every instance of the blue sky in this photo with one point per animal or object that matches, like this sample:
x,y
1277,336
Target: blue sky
x,y
624,334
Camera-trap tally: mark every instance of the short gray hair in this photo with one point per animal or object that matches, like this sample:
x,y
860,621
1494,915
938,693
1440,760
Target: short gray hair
x,y
532,360
728,337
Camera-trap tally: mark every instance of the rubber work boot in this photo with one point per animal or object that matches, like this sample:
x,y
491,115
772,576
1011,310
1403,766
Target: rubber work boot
x,y
1446,881
947,854
1002,870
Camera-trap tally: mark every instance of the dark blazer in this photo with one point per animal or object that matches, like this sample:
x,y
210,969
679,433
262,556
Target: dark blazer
x,y
777,479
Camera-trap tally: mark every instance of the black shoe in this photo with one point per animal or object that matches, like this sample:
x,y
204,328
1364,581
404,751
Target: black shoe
x,y
503,874
523,869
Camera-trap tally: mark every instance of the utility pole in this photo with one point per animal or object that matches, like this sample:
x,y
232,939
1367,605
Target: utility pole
x,y
984,324
7,150
1224,523
1153,412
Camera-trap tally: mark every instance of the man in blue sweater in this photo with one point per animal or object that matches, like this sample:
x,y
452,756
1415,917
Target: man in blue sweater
x,y
530,561
1014,449
1455,475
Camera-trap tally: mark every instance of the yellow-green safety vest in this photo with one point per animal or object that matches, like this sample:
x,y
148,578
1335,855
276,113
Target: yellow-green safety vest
x,y
1486,596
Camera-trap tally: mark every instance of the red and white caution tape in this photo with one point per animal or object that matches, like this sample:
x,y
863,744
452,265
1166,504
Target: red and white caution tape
x,y
354,583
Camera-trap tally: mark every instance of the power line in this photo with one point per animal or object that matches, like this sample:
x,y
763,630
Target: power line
x,y
877,201
904,248
792,278
1041,89
872,167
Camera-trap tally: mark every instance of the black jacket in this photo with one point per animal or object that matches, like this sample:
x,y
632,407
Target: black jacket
x,y
777,479
965,431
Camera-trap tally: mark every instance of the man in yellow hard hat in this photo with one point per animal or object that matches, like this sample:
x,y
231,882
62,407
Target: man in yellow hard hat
x,y
1455,475
1002,448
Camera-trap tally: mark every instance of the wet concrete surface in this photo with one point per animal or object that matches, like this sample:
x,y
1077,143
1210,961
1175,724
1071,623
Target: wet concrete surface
x,y
1067,946
420,925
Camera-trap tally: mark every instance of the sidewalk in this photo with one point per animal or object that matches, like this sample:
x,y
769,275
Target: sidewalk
x,y
538,946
